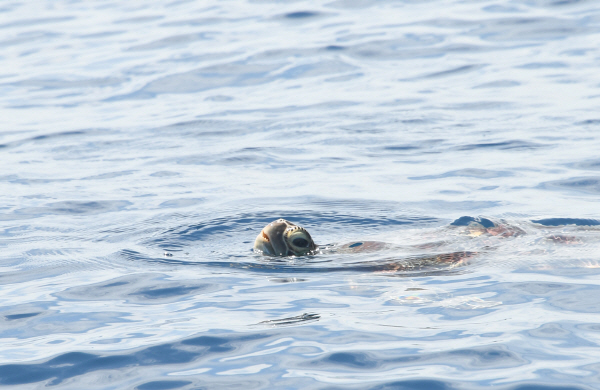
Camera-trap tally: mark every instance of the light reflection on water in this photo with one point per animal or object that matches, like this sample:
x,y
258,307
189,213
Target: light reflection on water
x,y
144,147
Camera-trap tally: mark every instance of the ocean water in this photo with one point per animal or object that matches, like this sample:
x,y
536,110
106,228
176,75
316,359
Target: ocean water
x,y
144,145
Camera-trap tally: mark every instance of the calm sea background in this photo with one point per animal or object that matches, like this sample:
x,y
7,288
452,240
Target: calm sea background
x,y
143,146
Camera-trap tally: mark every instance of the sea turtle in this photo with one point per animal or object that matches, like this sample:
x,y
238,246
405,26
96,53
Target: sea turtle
x,y
450,246
284,238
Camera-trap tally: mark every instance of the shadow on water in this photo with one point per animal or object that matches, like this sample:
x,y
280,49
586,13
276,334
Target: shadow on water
x,y
425,265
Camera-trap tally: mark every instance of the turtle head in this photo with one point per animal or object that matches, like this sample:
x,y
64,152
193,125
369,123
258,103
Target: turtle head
x,y
283,238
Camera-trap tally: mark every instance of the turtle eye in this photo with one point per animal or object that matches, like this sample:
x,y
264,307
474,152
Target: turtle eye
x,y
300,242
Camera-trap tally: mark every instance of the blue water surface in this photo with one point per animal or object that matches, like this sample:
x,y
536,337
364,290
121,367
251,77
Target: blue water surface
x,y
144,145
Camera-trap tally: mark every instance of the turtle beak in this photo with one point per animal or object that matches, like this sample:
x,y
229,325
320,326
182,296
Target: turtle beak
x,y
270,241
263,243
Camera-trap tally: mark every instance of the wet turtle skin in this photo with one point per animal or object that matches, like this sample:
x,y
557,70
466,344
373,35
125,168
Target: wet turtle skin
x,y
284,238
